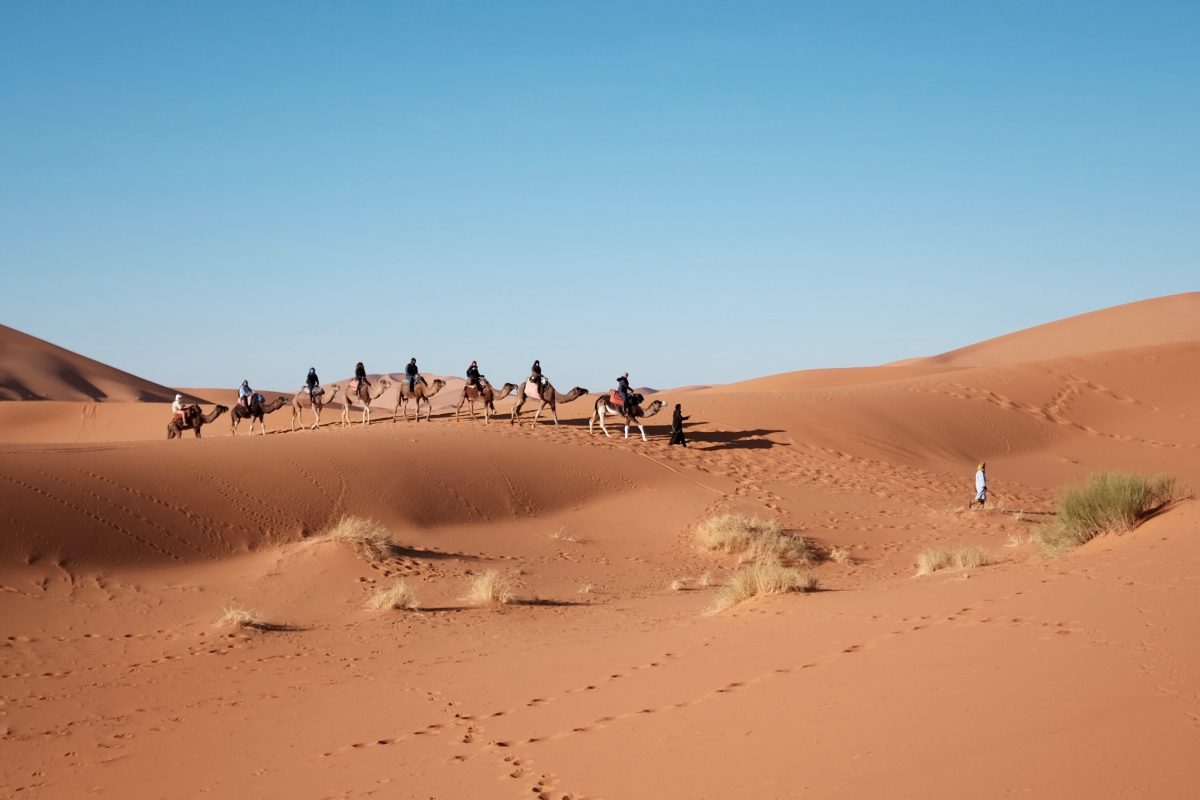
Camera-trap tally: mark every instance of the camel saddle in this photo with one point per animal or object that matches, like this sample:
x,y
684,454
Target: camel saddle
x,y
317,392
614,397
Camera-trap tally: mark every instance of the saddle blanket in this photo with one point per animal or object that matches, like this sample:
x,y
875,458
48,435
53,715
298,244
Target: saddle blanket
x,y
615,398
319,390
531,390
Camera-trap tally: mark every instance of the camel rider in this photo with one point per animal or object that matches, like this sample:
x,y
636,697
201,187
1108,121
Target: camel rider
x,y
312,382
473,376
535,373
623,392
360,377
177,411
412,372
245,393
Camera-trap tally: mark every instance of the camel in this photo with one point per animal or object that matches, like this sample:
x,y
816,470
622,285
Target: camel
x,y
302,400
421,391
487,394
548,397
255,413
604,405
196,421
365,395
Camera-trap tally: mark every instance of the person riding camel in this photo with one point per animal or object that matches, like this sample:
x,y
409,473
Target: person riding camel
x,y
623,392
360,377
178,411
312,382
473,376
535,373
412,372
245,393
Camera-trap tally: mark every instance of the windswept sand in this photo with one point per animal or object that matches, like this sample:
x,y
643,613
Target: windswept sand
x,y
1068,677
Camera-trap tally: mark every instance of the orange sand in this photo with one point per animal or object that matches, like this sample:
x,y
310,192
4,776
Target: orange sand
x,y
1068,677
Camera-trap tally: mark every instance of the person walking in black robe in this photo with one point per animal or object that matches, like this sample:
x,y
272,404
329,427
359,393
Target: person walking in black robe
x,y
677,420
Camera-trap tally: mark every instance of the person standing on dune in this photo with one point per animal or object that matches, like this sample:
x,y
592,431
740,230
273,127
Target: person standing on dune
x,y
980,486
677,420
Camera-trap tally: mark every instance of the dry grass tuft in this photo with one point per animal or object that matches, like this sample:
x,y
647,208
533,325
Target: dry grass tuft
x,y
935,559
841,556
241,618
1109,502
367,537
678,585
587,588
490,588
752,538
760,579
562,536
706,580
399,596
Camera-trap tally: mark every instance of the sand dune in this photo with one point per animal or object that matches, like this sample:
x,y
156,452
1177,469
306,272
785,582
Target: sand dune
x,y
1163,320
33,369
1066,677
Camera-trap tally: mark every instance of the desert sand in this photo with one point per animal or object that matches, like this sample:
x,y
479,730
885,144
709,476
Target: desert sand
x,y
1068,676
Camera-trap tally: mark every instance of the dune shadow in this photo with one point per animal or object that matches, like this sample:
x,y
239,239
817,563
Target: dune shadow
x,y
405,551
271,627
537,601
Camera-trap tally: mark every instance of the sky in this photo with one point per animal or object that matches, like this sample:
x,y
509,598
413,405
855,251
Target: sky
x,y
691,192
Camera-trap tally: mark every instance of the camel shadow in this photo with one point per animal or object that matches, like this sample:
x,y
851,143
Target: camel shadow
x,y
734,440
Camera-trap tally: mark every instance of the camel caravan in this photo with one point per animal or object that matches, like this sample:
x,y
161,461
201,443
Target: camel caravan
x,y
621,404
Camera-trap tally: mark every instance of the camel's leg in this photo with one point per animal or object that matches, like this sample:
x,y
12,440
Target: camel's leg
x,y
600,414
626,430
643,430
591,422
537,414
554,411
516,412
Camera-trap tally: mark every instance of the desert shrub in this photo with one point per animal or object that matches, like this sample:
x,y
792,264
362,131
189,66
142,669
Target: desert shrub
x,y
1108,502
490,588
751,538
240,618
398,596
761,578
367,537
935,559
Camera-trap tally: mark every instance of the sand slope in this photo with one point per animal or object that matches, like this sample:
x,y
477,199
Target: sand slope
x,y
33,369
1067,677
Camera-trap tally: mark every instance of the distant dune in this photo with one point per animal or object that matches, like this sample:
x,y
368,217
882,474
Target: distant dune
x,y
34,369
1163,320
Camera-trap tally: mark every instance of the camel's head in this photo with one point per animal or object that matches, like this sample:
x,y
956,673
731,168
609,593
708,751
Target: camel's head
x,y
385,384
438,382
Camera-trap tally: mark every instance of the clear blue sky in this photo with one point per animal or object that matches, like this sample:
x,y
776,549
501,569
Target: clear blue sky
x,y
694,192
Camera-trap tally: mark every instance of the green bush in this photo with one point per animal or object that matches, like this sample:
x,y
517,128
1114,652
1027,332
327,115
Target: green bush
x,y
1109,502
